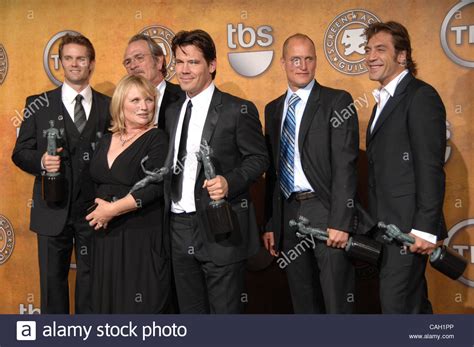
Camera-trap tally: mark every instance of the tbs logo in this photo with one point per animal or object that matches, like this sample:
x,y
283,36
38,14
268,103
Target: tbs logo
x,y
459,239
250,63
457,34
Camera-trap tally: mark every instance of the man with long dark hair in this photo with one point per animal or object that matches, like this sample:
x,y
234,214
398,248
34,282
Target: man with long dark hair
x,y
406,142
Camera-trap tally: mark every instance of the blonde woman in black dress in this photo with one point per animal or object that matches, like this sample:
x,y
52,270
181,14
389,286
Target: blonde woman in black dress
x,y
130,270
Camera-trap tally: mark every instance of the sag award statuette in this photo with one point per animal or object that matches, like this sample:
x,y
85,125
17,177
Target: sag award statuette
x,y
154,176
443,259
358,246
218,211
52,182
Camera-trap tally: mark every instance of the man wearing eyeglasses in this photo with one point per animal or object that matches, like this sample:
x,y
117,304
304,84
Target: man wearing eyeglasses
x,y
312,174
145,57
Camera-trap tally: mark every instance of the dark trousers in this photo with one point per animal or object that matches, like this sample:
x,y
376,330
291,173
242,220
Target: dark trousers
x,y
403,287
54,254
321,278
201,285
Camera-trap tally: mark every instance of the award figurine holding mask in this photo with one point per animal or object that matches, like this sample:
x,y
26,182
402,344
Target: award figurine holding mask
x,y
218,211
52,182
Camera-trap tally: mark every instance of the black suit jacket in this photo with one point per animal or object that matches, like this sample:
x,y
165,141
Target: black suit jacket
x,y
406,158
172,94
50,218
234,132
328,148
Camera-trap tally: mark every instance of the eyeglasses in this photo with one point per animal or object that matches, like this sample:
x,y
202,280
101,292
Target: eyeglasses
x,y
138,58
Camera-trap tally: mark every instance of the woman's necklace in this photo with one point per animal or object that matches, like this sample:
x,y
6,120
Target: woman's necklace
x,y
124,141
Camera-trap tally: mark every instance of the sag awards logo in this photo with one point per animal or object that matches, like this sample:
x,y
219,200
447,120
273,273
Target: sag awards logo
x,y
459,239
7,239
163,37
457,34
3,64
249,63
344,41
51,56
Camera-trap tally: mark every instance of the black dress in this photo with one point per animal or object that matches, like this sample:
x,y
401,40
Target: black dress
x,y
130,267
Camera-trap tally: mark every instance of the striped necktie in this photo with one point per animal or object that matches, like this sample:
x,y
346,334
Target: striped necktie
x,y
79,114
287,148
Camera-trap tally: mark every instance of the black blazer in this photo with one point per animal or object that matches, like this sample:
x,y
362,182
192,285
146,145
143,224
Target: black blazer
x,y
328,150
50,218
406,158
233,130
172,94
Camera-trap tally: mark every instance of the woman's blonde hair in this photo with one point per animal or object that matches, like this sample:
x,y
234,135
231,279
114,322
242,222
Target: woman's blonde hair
x,y
118,99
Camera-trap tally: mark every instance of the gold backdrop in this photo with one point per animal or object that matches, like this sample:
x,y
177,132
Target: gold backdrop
x,y
27,26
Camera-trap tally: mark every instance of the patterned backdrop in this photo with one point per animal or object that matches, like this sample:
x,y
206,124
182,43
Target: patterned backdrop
x,y
249,36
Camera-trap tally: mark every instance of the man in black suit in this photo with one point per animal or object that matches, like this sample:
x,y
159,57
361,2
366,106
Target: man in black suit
x,y
145,57
209,268
312,173
83,113
406,143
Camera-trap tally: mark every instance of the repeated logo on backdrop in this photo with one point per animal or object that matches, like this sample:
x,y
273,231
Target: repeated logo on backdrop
x,y
447,153
457,34
163,37
3,64
459,240
7,239
344,41
242,38
51,61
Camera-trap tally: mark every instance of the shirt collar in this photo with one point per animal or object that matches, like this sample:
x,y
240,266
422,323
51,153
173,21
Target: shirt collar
x,y
303,93
203,99
69,94
390,87
161,87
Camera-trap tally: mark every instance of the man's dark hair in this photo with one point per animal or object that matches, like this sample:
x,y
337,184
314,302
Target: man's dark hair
x,y
78,40
155,49
400,39
198,38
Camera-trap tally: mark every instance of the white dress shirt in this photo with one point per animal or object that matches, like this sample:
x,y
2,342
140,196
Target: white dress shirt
x,y
68,95
160,91
381,96
301,183
200,109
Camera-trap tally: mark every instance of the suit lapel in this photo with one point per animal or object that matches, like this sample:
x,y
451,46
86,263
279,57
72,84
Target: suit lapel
x,y
211,120
310,110
56,111
168,98
93,120
400,93
368,134
175,109
277,128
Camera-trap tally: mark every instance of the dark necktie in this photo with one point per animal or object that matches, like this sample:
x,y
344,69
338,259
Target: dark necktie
x,y
287,148
177,177
79,114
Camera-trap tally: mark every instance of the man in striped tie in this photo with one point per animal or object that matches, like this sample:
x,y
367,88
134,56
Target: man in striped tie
x,y
313,174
